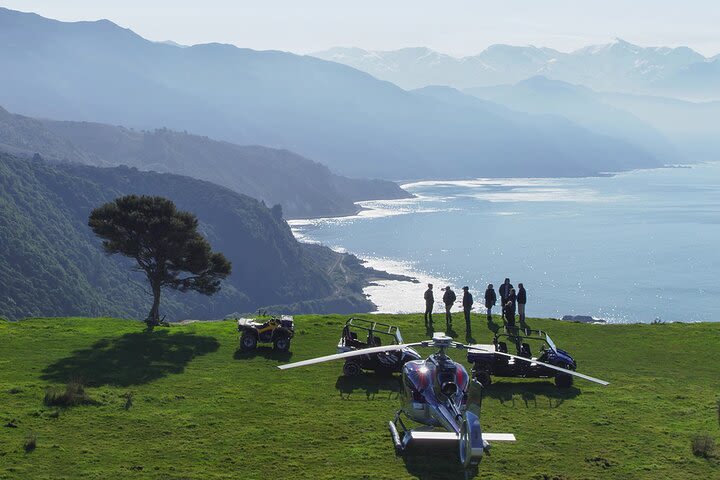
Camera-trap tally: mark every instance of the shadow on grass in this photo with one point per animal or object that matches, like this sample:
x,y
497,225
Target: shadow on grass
x,y
492,326
133,359
529,393
438,462
371,384
265,352
451,332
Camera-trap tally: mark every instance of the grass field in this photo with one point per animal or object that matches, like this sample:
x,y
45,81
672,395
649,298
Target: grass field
x,y
199,409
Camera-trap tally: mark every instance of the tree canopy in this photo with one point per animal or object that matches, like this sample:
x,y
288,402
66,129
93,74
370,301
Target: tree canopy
x,y
164,242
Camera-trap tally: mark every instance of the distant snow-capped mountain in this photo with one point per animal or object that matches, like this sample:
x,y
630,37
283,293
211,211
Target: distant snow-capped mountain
x,y
616,66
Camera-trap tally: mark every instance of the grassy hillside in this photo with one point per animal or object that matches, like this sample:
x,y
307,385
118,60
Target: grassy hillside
x,y
200,409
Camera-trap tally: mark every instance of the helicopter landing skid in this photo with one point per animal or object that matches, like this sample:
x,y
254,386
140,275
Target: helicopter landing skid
x,y
472,443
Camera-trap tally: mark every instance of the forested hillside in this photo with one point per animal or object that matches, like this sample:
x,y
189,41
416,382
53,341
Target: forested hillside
x,y
303,187
51,263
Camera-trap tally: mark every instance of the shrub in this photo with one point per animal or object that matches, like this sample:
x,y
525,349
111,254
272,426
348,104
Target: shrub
x,y
128,400
74,394
30,442
703,445
718,410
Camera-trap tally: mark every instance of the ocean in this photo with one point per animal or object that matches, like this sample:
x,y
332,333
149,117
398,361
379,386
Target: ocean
x,y
639,246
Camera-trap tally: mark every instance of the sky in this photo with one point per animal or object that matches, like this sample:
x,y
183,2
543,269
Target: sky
x,y
456,27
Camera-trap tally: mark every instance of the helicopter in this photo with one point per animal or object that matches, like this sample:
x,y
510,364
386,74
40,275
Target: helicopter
x,y
438,392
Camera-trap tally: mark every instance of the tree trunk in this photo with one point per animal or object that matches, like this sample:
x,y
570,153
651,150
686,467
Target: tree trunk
x,y
154,315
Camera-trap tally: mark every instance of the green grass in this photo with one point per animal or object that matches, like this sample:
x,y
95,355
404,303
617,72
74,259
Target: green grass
x,y
201,410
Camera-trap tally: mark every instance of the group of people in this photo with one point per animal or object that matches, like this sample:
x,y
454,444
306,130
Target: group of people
x,y
511,301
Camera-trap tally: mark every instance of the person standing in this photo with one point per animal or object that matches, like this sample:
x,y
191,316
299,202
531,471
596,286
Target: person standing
x,y
504,291
521,301
490,300
449,298
429,302
467,303
510,308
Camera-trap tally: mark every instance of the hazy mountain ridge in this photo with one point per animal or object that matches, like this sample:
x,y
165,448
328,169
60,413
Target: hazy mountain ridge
x,y
649,122
581,105
51,263
344,118
616,66
693,127
304,188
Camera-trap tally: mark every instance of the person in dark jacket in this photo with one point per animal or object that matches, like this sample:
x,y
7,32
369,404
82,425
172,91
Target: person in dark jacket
x,y
467,303
521,301
449,298
490,300
429,302
504,291
510,308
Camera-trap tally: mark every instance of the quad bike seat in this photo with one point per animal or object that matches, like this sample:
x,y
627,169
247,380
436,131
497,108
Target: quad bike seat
x,y
246,322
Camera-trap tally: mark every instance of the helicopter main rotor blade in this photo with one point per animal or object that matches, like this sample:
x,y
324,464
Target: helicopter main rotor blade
x,y
354,353
529,360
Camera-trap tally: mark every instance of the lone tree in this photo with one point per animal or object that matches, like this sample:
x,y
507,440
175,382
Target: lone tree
x,y
165,244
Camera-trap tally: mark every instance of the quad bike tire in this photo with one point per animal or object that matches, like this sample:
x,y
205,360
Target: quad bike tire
x,y
248,341
281,343
351,369
484,377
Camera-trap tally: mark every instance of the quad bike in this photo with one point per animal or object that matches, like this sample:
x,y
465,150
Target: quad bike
x,y
276,330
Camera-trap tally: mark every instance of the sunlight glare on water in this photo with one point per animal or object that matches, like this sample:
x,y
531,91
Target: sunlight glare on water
x,y
637,246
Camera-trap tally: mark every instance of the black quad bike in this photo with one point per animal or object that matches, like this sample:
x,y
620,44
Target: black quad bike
x,y
487,364
276,330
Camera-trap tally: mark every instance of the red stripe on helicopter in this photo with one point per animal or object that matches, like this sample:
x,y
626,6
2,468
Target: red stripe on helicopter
x,y
460,377
422,376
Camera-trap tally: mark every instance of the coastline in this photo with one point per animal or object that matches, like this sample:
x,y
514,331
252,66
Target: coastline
x,y
403,293
399,296
392,286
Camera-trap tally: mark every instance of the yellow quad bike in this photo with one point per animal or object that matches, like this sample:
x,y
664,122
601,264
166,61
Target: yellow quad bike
x,y
276,330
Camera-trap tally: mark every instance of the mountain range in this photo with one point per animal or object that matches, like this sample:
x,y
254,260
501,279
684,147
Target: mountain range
x,y
51,264
673,130
618,66
302,187
348,120
540,95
